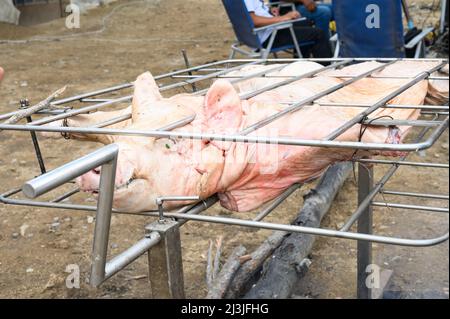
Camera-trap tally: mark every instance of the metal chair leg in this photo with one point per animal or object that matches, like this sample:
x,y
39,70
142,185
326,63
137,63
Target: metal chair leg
x,y
294,39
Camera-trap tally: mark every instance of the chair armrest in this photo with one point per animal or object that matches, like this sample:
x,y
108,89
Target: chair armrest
x,y
279,25
413,42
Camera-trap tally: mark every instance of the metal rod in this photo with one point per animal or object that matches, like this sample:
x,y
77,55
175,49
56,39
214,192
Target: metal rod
x,y
310,230
65,196
419,123
405,163
82,110
390,106
266,211
191,76
365,226
37,149
128,256
186,61
248,76
358,118
88,100
414,207
241,138
290,80
410,194
44,183
103,219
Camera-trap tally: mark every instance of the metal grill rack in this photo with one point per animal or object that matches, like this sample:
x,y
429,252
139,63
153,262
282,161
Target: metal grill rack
x,y
162,241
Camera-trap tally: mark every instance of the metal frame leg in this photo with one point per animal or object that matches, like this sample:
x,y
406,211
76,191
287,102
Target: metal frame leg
x,y
364,248
165,261
103,222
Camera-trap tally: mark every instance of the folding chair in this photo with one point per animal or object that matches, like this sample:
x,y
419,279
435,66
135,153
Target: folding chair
x,y
246,33
374,28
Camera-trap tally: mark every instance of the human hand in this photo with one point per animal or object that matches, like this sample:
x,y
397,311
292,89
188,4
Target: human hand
x,y
275,11
1,74
291,15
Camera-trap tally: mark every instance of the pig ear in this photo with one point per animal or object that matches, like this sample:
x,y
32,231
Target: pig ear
x,y
146,93
222,109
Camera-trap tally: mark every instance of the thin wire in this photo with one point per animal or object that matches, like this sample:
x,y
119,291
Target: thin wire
x,y
362,130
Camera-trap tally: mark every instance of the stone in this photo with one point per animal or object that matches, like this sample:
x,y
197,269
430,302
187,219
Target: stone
x,y
23,229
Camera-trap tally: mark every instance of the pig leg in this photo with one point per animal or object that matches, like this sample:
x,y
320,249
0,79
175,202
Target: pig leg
x,y
89,120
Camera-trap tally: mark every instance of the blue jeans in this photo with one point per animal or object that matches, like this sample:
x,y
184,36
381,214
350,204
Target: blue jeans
x,y
321,16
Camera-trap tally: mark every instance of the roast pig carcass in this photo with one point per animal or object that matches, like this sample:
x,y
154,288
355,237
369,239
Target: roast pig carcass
x,y
246,175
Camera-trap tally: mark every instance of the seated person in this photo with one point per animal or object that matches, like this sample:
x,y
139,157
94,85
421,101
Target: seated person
x,y
320,13
263,16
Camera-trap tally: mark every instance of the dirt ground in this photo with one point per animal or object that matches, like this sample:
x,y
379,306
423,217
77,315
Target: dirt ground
x,y
124,40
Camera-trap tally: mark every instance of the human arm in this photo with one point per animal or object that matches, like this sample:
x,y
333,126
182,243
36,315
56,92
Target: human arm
x,y
260,21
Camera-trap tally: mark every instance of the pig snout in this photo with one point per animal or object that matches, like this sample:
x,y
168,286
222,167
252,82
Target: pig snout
x,y
90,181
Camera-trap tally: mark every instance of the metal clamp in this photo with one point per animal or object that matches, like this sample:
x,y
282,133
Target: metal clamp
x,y
160,201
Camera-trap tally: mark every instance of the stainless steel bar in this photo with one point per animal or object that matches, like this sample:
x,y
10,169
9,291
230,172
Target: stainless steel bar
x,y
113,121
93,93
418,123
11,192
438,78
65,196
291,76
128,256
339,59
405,163
82,110
310,230
433,113
88,100
365,226
186,62
413,207
381,102
103,220
266,211
44,183
391,106
248,76
362,206
184,217
240,138
23,202
299,104
411,194
37,149
208,76
290,80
